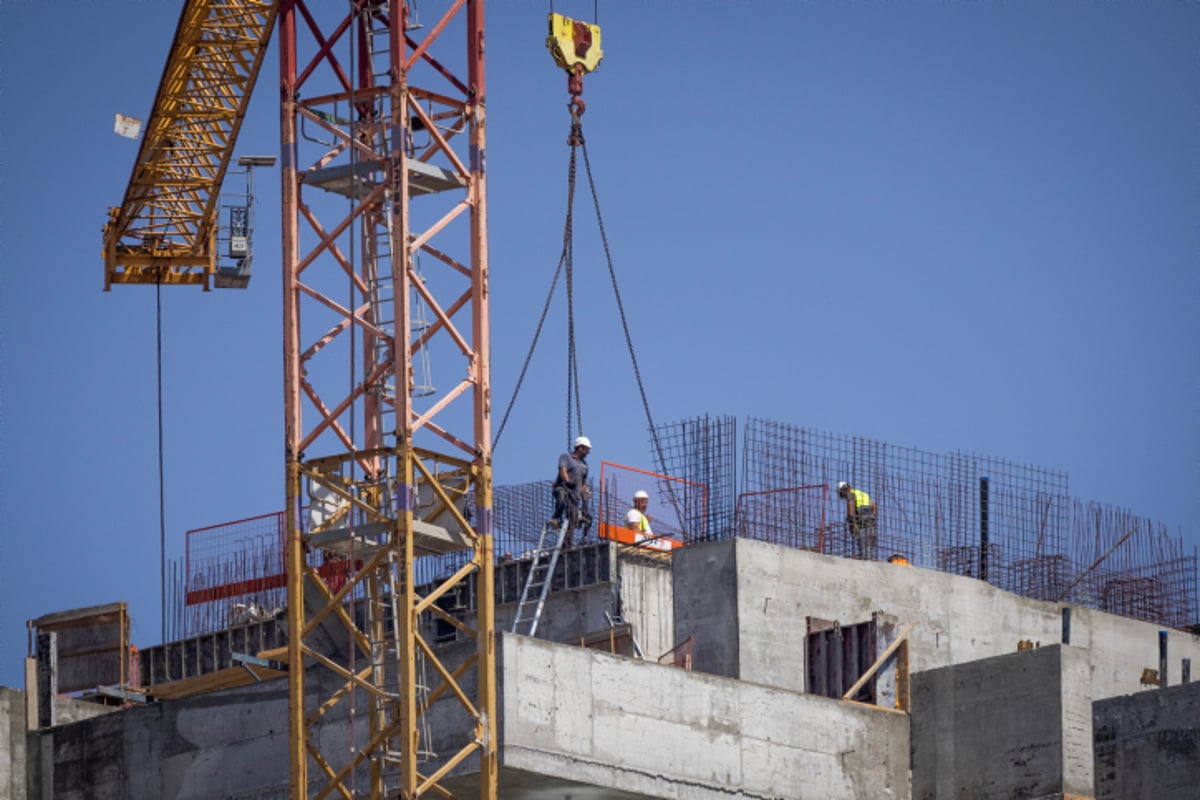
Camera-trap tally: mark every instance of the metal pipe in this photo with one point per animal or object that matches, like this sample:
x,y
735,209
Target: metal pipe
x,y
983,529
1162,659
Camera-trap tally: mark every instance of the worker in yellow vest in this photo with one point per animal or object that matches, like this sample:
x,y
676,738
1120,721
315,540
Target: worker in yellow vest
x,y
639,520
860,520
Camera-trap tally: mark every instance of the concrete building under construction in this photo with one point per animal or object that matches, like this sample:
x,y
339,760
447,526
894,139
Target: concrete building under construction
x,y
752,657
945,625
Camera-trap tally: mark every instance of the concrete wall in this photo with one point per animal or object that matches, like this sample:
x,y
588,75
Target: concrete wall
x,y
1148,744
604,725
640,589
225,744
646,602
644,729
705,599
764,592
12,744
1012,726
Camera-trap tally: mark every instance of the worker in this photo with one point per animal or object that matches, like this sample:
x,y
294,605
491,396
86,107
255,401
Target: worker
x,y
896,558
860,520
640,522
571,490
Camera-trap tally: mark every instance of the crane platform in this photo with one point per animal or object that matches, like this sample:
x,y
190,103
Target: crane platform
x,y
367,539
359,179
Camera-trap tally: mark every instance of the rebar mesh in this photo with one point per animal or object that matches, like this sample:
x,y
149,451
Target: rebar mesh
x,y
1131,566
1013,525
233,573
703,451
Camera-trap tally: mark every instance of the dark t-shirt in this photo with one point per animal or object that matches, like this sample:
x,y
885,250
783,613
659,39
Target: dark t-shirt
x,y
576,472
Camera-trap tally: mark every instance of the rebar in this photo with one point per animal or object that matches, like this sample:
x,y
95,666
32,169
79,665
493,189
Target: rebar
x,y
1035,541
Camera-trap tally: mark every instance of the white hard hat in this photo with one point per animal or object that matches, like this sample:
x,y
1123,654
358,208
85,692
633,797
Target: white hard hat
x,y
640,495
582,441
843,485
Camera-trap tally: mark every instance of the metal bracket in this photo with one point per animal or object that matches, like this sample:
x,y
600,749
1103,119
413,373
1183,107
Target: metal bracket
x,y
248,661
124,694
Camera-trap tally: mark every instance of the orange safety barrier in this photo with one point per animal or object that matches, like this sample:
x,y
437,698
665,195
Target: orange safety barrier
x,y
619,533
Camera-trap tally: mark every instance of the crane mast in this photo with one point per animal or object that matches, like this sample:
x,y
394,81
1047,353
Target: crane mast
x,y
382,153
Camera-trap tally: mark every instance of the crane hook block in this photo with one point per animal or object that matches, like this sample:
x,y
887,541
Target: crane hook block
x,y
574,44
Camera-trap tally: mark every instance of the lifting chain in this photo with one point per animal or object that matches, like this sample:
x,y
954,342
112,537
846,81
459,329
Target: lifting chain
x,y
576,140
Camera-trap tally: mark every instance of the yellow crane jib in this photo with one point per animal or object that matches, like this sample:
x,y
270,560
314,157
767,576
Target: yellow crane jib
x,y
165,230
575,45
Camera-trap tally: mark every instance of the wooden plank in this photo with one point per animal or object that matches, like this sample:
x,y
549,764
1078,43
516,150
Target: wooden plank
x,y
879,662
903,698
227,678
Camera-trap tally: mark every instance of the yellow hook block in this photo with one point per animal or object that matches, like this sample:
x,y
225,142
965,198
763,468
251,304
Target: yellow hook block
x,y
574,43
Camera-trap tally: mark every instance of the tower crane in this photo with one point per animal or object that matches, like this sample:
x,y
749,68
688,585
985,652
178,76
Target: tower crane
x,y
383,167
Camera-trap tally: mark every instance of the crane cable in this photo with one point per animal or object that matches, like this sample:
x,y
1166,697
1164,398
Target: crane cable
x,y
162,506
577,142
563,261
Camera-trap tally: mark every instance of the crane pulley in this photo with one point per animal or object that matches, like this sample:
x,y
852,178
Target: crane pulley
x,y
575,47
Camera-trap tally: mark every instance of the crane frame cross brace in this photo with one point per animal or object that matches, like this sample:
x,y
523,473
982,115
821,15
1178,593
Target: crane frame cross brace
x,y
382,158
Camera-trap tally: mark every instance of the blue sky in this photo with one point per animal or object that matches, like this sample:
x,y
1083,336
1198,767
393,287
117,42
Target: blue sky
x,y
946,225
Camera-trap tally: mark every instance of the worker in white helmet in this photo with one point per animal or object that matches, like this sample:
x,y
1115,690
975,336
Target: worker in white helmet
x,y
571,490
639,520
860,520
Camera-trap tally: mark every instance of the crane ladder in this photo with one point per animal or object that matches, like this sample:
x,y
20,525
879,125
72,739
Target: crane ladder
x,y
541,574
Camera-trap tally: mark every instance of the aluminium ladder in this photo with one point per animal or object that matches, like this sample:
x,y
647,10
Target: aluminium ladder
x,y
541,574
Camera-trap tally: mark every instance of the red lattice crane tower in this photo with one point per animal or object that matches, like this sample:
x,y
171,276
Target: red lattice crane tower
x,y
384,255
385,266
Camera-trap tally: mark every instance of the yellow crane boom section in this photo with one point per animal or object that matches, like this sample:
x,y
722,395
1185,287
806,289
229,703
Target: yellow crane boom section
x,y
165,230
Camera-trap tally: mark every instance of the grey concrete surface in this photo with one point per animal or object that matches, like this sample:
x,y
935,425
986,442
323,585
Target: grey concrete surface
x,y
1148,744
573,723
12,744
747,601
583,724
641,591
1012,727
663,732
224,744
